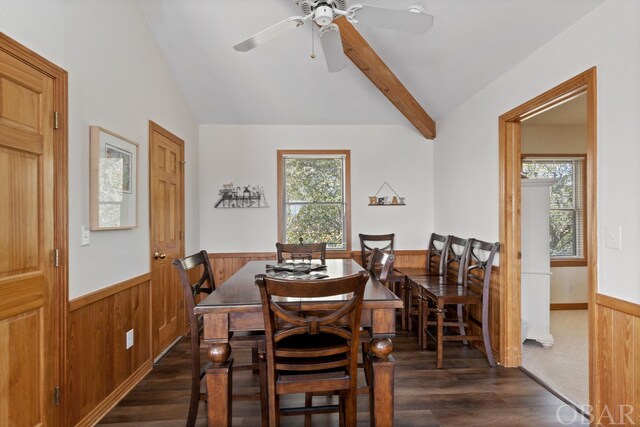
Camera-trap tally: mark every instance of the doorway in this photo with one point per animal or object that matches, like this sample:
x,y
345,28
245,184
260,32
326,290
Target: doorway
x,y
34,240
554,265
510,211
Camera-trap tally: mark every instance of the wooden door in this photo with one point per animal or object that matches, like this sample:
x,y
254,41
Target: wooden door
x,y
166,153
28,351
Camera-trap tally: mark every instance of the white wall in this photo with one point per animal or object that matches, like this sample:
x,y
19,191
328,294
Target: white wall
x,y
569,285
118,79
553,139
468,137
247,154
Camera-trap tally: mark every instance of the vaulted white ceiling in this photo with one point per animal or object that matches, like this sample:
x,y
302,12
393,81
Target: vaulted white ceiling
x,y
471,43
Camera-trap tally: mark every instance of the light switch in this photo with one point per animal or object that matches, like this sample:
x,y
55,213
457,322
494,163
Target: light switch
x,y
84,236
129,339
613,237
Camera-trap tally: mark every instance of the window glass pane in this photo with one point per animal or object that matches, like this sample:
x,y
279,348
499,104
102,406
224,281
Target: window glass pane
x,y
313,179
315,223
562,192
562,226
566,202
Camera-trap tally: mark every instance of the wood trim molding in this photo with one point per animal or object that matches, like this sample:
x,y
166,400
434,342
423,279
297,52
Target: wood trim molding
x,y
582,262
366,59
217,255
510,233
61,196
627,307
92,297
570,306
116,396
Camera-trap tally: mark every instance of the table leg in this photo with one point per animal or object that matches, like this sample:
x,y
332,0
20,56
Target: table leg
x,y
383,366
219,381
440,312
403,311
421,318
408,303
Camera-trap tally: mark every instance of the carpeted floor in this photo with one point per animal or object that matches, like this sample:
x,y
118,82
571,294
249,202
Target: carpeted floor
x,y
565,366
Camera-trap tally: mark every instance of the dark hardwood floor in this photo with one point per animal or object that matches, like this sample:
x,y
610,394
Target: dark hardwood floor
x,y
465,393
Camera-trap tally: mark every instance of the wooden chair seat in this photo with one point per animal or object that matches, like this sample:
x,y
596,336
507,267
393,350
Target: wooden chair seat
x,y
450,293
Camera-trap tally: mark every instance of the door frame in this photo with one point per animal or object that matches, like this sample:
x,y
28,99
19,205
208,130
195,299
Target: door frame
x,y
61,203
510,227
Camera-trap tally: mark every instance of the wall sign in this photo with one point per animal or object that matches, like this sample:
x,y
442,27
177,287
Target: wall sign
x,y
248,196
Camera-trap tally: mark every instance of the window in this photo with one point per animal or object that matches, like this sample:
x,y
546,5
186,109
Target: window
x,y
566,214
314,197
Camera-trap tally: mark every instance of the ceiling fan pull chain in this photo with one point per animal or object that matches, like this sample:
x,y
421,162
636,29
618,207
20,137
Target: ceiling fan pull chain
x,y
313,43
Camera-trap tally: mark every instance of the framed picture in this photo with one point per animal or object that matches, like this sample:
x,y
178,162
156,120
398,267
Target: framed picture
x,y
113,181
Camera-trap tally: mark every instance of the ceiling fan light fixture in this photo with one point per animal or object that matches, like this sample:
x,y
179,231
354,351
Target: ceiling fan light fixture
x,y
323,15
417,9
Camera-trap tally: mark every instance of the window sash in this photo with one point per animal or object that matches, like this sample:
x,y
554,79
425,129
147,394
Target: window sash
x,y
341,203
575,204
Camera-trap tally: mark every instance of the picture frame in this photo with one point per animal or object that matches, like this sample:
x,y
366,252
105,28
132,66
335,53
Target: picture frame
x,y
113,181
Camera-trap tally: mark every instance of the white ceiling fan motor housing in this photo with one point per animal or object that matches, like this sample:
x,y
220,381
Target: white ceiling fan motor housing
x,y
323,15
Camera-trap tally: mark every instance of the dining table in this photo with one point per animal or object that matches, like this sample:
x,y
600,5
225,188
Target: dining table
x,y
235,306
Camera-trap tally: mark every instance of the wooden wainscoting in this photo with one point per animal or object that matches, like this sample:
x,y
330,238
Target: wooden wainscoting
x,y
617,362
226,264
101,371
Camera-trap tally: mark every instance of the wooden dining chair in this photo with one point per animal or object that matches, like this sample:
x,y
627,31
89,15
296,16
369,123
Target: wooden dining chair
x,y
449,259
436,263
395,281
380,265
314,351
199,263
472,291
302,251
435,266
384,242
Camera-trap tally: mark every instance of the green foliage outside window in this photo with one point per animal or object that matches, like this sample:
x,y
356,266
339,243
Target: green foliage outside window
x,y
565,216
314,200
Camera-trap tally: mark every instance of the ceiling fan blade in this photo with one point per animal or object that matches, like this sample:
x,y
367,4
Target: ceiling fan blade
x,y
332,48
270,33
413,20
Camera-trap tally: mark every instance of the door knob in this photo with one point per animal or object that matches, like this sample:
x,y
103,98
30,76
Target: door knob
x,y
159,255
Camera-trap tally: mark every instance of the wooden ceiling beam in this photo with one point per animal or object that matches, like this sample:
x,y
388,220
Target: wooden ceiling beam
x,y
367,60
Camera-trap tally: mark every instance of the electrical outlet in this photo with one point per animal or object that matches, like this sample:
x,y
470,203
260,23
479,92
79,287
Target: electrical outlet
x,y
613,235
129,338
84,236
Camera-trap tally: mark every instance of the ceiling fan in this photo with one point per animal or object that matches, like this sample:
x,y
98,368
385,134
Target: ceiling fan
x,y
323,12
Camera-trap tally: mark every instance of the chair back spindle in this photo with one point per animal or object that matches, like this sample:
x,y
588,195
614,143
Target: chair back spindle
x,y
454,263
384,242
302,251
438,245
